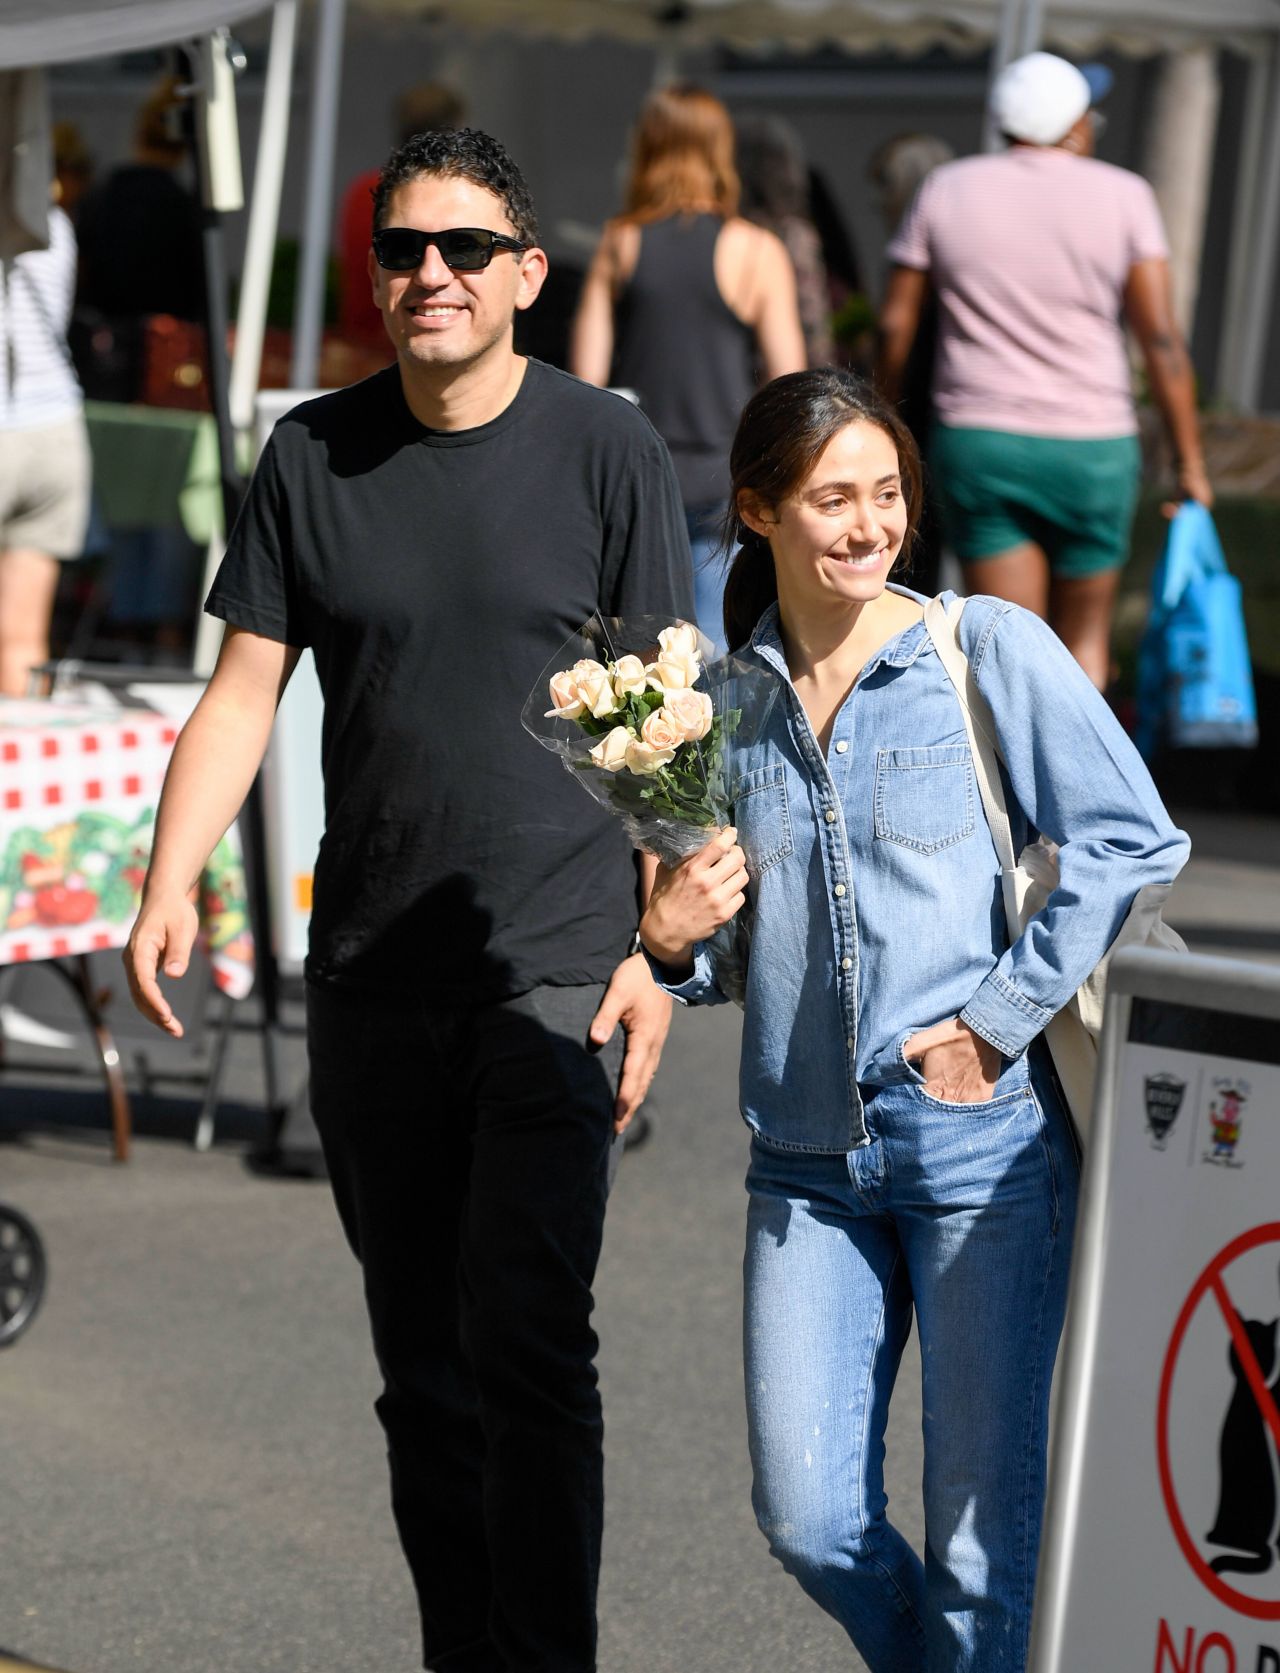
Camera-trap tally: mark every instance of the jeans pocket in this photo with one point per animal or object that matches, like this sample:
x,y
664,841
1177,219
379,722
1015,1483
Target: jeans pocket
x,y
1014,1082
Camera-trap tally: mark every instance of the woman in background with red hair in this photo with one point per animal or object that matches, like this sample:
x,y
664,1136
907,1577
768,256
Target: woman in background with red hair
x,y
689,306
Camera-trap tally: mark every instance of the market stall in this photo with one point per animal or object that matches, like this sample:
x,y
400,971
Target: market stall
x,y
79,788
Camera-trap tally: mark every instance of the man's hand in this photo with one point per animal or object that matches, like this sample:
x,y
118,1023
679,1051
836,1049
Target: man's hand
x,y
636,1001
958,1065
162,938
1193,484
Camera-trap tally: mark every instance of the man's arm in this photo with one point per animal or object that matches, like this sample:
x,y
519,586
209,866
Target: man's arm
x,y
900,313
1148,308
213,765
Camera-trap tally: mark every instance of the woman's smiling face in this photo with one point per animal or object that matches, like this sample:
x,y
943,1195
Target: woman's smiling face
x,y
836,538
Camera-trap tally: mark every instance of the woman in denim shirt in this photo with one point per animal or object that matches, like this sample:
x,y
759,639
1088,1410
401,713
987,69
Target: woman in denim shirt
x,y
910,1149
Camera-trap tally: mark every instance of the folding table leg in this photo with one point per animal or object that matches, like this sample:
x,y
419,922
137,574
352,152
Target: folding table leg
x,y
213,1088
78,977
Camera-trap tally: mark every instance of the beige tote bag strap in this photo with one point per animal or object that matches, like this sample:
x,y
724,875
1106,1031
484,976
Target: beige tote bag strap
x,y
941,625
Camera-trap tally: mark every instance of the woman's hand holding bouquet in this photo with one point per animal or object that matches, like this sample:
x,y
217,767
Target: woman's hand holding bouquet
x,y
691,901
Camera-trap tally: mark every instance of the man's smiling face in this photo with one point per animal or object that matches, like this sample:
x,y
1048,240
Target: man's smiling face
x,y
434,316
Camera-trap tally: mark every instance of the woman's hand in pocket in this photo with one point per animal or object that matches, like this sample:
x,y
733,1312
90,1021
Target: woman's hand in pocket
x,y
958,1066
689,902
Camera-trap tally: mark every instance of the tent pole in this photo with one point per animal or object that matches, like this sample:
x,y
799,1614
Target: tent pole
x,y
1230,382
215,141
264,214
1255,328
1004,48
1031,33
308,321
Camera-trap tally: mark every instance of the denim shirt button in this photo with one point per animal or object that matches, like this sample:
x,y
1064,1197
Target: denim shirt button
x,y
846,964
829,816
850,1042
842,746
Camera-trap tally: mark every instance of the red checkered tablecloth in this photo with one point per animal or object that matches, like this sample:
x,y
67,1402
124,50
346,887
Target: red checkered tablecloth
x,y
78,798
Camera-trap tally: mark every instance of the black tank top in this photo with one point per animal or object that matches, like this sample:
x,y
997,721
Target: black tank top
x,y
685,352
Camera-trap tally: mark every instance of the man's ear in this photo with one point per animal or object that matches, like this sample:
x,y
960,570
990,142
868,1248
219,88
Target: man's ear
x,y
375,273
755,513
533,274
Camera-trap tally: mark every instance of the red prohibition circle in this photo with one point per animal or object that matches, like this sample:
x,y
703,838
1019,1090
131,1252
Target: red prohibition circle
x,y
1258,1609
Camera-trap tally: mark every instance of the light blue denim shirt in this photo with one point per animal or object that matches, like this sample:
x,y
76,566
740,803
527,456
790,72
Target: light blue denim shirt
x,y
875,899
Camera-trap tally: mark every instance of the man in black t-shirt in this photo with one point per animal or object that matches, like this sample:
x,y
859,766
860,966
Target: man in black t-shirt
x,y
435,534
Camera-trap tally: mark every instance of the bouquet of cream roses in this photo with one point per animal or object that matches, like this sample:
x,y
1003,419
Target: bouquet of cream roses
x,y
652,732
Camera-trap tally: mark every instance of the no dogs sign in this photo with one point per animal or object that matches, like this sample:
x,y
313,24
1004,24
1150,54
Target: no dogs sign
x,y
1239,1556
1162,1535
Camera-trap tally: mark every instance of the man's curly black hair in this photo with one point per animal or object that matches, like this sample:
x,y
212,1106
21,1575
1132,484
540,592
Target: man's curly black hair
x,y
460,154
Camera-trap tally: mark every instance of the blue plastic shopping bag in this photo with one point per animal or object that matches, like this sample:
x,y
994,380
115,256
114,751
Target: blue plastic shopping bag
x,y
1195,684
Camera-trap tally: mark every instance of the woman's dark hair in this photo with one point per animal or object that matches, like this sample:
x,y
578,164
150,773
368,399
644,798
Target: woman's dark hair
x,y
781,434
460,154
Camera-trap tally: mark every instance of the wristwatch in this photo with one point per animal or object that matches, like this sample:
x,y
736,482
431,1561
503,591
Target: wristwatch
x,y
636,945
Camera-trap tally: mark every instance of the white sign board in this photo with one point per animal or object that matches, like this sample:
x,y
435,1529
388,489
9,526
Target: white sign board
x,y
292,785
1162,1530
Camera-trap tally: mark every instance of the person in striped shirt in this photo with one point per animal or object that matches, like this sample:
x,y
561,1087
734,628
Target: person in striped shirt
x,y
45,469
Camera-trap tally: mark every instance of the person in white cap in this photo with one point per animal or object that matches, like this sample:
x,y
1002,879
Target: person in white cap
x,y
1038,256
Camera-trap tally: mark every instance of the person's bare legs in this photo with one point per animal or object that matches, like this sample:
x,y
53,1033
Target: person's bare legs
x,y
1020,574
1080,610
28,583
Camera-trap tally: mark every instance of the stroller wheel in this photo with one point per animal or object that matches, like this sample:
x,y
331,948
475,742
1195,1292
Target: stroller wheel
x,y
22,1273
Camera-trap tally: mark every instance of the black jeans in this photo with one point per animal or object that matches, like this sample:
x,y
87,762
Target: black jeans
x,y
469,1155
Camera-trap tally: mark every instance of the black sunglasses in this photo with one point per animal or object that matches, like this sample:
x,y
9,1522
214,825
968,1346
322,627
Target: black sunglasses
x,y
465,249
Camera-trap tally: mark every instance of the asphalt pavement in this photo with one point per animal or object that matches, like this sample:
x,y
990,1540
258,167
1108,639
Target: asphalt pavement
x,y
191,1477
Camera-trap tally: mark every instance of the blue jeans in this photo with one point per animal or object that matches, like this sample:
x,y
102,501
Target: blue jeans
x,y
709,570
964,1212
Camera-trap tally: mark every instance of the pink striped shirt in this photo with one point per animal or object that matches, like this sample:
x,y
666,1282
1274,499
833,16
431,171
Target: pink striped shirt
x,y
1029,252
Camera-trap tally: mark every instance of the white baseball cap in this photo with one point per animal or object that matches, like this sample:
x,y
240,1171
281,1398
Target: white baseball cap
x,y
1041,97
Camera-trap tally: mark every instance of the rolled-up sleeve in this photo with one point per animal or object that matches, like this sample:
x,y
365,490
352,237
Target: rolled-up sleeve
x,y
1079,780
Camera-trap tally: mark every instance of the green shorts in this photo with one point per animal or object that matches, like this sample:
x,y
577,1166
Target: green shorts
x,y
1075,499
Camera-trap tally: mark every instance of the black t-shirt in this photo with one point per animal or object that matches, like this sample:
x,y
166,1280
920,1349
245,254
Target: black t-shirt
x,y
435,573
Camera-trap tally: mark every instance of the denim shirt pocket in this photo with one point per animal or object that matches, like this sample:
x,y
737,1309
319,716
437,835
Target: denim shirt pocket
x,y
762,815
924,798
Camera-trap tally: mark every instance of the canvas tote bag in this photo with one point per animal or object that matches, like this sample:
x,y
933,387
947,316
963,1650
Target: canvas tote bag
x,y
1028,880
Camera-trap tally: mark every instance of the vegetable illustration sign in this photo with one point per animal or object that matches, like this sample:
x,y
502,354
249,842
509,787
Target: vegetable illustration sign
x,y
78,799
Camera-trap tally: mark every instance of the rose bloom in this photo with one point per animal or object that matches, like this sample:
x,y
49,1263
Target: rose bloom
x,y
690,712
628,676
682,640
674,670
595,688
564,694
611,752
659,732
642,758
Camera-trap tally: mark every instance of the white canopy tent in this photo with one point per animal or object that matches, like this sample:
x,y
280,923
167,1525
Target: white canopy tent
x,y
1137,26
36,32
